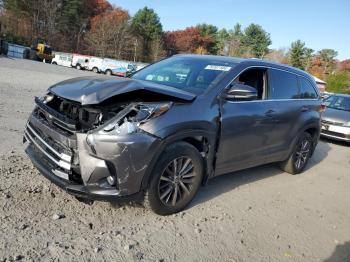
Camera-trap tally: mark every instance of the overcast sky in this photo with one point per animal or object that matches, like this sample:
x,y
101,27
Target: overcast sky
x,y
320,24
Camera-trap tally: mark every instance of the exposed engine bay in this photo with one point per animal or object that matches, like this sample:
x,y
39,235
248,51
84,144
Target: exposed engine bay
x,y
82,118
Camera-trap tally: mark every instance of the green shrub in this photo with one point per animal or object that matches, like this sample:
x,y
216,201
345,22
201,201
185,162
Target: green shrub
x,y
14,39
339,83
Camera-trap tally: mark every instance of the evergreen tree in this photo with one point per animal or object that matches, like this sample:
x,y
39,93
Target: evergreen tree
x,y
146,24
257,40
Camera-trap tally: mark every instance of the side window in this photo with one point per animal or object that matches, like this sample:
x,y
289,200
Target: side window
x,y
306,89
255,78
283,85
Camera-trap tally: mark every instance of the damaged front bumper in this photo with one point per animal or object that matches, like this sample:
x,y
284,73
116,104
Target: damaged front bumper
x,y
82,166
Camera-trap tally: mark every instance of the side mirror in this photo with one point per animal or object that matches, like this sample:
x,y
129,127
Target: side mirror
x,y
240,92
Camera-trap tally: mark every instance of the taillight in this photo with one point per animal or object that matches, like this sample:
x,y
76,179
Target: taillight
x,y
322,108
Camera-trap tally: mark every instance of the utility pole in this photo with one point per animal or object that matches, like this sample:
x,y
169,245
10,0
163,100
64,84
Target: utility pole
x,y
135,49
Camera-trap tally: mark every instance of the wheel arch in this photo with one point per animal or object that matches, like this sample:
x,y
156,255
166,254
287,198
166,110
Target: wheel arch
x,y
203,141
313,129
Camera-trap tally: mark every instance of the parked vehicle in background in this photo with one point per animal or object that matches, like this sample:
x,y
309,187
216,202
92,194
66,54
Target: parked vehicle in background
x,y
172,126
80,62
108,65
62,59
336,118
139,66
95,64
124,71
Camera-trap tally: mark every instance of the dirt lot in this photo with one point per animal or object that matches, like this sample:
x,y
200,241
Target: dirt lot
x,y
260,214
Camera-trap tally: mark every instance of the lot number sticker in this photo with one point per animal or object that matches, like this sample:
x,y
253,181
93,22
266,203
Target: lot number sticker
x,y
218,68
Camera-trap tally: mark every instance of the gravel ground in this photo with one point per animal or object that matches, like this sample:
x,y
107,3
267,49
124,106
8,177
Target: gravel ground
x,y
259,214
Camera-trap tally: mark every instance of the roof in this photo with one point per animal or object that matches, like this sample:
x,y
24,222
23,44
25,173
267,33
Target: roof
x,y
250,61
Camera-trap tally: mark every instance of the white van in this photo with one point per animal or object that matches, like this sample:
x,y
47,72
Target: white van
x,y
109,64
80,62
62,59
95,64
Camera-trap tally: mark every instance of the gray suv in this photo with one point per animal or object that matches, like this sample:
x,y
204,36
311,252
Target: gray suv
x,y
168,128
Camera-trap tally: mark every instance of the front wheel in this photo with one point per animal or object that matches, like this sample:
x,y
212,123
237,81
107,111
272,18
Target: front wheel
x,y
95,70
300,155
176,179
108,72
78,67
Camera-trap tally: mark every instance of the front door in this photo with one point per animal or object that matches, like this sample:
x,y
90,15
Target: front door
x,y
246,127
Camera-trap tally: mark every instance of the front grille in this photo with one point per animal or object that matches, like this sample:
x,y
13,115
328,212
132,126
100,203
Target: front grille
x,y
331,133
53,151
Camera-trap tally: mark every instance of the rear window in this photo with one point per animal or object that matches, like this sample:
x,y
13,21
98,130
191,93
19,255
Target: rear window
x,y
307,90
283,85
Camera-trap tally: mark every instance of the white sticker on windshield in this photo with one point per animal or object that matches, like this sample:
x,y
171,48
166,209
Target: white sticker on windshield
x,y
218,68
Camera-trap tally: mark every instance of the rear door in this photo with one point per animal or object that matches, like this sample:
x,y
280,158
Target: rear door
x,y
284,91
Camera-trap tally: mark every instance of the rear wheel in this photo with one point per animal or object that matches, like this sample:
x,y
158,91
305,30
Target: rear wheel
x,y
54,63
175,180
300,155
78,67
108,72
95,70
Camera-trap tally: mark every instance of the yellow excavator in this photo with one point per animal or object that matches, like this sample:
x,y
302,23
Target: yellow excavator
x,y
39,51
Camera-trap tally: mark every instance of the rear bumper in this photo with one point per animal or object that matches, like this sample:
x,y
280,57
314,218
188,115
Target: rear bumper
x,y
89,192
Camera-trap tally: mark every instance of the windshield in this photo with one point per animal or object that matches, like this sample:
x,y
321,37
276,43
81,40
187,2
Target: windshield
x,y
192,74
338,102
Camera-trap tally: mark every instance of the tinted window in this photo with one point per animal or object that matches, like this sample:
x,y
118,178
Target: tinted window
x,y
306,89
283,85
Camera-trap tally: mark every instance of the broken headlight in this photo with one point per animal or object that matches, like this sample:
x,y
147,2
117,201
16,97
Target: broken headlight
x,y
137,115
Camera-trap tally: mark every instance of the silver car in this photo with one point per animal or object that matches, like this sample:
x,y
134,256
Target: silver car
x,y
336,118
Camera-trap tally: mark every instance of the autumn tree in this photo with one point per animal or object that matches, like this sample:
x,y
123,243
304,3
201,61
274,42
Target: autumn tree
x,y
343,65
188,40
109,32
209,31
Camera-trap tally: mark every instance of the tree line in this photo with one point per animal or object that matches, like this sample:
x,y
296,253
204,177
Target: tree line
x,y
98,28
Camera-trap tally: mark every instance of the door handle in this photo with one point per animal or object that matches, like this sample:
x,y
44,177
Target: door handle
x,y
304,109
270,113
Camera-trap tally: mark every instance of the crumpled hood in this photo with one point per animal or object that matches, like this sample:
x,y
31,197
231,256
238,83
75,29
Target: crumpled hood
x,y
94,90
336,115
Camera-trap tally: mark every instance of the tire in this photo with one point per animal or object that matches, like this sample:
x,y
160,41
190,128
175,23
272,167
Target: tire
x,y
300,155
108,72
78,67
164,185
54,63
95,70
33,56
26,53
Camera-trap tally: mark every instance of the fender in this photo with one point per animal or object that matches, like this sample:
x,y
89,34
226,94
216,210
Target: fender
x,y
210,137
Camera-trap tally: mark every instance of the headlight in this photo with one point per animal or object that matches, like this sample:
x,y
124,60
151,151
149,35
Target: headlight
x,y
47,98
139,114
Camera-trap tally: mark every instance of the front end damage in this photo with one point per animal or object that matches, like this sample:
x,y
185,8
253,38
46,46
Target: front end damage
x,y
95,152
